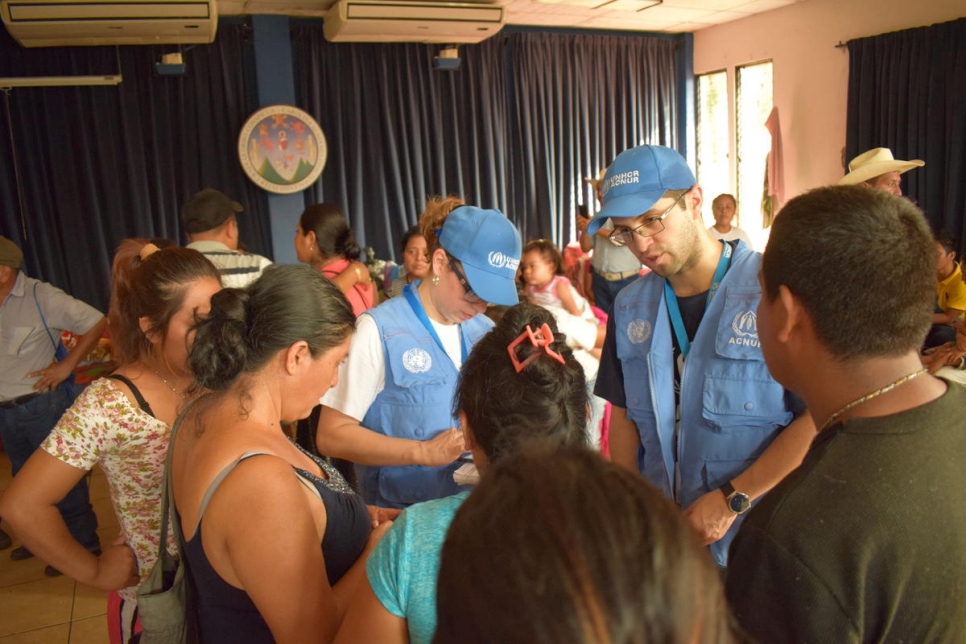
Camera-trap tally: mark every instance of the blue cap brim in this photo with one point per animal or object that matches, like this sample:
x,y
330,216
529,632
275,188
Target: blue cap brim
x,y
624,207
492,288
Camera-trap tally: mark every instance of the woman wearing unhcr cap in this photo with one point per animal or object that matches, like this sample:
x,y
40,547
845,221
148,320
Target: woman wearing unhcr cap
x,y
391,412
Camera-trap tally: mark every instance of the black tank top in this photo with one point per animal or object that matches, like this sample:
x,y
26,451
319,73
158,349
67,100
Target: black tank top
x,y
225,613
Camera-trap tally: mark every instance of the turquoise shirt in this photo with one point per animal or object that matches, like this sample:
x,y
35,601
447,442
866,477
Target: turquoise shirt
x,y
403,567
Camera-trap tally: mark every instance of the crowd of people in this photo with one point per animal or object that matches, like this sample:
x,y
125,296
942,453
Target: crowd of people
x,y
708,444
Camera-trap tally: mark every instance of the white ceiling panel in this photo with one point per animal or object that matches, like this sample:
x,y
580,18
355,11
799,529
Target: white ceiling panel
x,y
671,16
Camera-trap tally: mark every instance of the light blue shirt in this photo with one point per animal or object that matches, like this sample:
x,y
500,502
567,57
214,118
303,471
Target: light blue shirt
x,y
403,567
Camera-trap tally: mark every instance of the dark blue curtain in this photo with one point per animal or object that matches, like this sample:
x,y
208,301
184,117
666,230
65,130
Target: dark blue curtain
x,y
907,92
516,128
399,131
578,101
99,164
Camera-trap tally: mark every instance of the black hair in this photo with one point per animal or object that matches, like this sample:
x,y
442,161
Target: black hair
x,y
562,546
246,327
414,231
332,233
945,240
863,264
545,401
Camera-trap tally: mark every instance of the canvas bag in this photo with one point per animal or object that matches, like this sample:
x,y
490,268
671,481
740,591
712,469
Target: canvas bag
x,y
164,595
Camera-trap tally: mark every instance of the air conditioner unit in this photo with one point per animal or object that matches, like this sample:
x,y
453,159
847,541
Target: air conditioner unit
x,y
426,22
58,23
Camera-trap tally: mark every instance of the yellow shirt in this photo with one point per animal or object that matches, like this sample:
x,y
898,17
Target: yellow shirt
x,y
951,292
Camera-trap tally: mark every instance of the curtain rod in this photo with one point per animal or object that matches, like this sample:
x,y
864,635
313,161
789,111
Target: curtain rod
x,y
841,45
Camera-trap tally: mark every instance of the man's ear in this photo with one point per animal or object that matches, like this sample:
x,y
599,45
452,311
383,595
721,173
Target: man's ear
x,y
791,314
697,201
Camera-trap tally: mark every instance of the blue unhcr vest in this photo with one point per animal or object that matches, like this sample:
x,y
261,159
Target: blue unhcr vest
x,y
416,403
731,407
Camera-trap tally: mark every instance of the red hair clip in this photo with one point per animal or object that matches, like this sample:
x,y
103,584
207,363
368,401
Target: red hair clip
x,y
543,337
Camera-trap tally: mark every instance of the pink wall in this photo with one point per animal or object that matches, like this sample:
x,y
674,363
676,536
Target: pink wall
x,y
810,74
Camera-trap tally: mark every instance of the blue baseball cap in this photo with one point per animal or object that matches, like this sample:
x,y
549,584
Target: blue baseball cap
x,y
637,179
488,246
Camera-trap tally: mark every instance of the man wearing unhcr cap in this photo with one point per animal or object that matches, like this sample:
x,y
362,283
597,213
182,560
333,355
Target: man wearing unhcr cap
x,y
695,408
210,218
878,169
34,385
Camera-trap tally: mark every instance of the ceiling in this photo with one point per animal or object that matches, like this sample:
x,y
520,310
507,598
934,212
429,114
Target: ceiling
x,y
671,16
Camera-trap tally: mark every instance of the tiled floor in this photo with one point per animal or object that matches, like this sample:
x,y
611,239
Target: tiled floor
x,y
35,609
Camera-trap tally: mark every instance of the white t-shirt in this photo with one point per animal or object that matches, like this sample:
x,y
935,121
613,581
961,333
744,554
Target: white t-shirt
x,y
363,375
731,235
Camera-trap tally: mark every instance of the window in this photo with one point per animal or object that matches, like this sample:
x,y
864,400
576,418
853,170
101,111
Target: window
x,y
713,139
753,105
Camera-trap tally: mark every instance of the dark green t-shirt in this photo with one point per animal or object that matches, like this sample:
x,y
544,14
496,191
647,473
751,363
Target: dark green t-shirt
x,y
866,541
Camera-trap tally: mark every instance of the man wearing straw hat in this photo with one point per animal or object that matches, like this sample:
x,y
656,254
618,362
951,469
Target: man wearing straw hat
x,y
878,169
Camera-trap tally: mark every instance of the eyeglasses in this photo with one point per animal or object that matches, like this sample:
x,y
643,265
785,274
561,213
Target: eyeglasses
x,y
468,293
648,228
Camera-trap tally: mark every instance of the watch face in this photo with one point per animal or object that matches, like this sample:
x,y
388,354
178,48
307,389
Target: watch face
x,y
739,503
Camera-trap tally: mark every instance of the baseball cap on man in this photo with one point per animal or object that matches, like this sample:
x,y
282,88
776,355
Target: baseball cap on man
x,y
637,179
488,246
207,209
10,253
874,163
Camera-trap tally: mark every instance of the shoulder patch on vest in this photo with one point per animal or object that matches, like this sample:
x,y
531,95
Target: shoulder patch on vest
x,y
638,331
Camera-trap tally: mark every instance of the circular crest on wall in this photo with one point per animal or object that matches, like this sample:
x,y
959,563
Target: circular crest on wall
x,y
282,149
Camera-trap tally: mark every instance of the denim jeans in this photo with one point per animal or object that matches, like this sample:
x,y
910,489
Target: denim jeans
x,y
605,292
23,429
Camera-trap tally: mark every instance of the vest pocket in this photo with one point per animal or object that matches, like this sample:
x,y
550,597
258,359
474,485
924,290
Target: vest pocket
x,y
742,402
737,336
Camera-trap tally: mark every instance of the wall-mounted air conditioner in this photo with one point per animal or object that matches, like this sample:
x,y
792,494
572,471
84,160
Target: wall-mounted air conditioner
x,y
57,23
427,22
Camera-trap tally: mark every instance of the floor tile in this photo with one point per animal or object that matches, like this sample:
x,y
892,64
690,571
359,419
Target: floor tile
x,y
89,631
36,604
97,485
50,635
13,572
88,602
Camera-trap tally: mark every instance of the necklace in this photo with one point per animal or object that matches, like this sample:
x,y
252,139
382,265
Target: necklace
x,y
877,392
168,384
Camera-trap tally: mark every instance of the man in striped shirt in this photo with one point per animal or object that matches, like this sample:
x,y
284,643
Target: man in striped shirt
x,y
209,218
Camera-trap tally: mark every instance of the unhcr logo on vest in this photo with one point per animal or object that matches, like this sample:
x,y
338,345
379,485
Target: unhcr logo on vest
x,y
417,361
499,260
745,326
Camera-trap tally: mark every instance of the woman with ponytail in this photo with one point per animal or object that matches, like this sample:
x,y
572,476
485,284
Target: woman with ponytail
x,y
520,385
391,412
324,241
121,423
254,508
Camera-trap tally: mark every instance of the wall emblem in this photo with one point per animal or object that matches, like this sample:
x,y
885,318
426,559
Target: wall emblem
x,y
282,149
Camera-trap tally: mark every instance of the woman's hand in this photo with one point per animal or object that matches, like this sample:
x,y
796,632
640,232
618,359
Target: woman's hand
x,y
378,515
117,567
442,449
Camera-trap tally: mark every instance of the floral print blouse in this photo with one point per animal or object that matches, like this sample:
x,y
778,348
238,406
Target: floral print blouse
x,y
105,427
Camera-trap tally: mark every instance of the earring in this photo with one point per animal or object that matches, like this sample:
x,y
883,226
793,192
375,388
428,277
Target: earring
x,y
435,280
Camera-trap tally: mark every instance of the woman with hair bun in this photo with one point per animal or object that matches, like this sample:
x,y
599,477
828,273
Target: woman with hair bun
x,y
520,384
391,413
324,241
254,507
122,424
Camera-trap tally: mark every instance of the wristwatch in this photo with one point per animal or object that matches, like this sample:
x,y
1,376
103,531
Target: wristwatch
x,y
738,502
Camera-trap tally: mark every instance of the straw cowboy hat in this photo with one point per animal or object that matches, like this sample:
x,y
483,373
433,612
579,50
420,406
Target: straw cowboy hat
x,y
875,162
596,182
